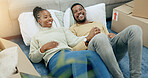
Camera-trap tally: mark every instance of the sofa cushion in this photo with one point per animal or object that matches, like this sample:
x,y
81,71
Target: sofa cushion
x,y
64,4
18,6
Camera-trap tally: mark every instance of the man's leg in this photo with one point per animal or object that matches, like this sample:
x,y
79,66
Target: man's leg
x,y
101,44
130,39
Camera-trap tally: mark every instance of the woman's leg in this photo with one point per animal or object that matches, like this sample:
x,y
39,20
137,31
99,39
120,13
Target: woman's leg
x,y
76,64
72,63
57,72
98,65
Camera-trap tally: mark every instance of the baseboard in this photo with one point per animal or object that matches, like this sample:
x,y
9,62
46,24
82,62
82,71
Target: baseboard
x,y
13,37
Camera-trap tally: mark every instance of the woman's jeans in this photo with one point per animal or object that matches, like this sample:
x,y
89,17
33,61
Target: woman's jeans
x,y
74,64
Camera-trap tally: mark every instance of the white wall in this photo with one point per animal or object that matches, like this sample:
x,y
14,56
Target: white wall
x,y
5,22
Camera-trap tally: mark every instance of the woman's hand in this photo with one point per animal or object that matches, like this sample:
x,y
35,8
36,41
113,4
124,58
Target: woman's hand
x,y
111,35
48,46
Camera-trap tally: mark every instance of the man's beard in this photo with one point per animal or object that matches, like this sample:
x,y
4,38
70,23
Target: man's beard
x,y
81,21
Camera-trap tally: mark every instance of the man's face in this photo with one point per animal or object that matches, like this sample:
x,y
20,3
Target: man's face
x,y
79,13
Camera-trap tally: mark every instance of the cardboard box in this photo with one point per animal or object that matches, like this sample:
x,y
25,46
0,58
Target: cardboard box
x,y
122,18
24,65
140,8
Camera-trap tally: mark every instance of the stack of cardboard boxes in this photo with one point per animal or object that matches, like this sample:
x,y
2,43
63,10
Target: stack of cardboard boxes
x,y
131,13
24,65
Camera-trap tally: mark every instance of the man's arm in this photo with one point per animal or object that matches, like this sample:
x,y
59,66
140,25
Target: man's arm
x,y
83,44
80,46
111,35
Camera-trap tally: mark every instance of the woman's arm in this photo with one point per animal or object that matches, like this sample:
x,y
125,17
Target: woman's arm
x,y
35,55
72,39
48,46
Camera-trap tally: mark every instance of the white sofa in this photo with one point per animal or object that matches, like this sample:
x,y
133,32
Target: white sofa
x,y
10,10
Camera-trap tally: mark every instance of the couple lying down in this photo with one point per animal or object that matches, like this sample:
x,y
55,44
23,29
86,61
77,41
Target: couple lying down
x,y
97,53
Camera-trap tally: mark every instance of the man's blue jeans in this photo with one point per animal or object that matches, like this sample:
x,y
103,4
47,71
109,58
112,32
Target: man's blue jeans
x,y
75,64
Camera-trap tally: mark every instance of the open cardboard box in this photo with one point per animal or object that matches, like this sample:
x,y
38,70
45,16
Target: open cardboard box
x,y
122,18
24,65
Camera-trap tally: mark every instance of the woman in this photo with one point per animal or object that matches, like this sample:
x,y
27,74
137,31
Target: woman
x,y
52,45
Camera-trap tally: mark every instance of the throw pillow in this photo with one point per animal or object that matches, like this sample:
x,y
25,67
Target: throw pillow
x,y
29,26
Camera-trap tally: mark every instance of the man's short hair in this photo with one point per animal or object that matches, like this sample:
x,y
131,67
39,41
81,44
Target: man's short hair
x,y
75,5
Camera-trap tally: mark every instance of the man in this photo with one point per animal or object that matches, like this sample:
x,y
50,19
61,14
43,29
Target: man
x,y
111,48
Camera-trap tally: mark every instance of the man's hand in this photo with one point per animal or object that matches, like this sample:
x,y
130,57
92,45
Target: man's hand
x,y
92,33
111,35
48,46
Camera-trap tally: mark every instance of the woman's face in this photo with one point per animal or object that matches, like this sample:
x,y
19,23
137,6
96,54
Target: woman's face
x,y
45,19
